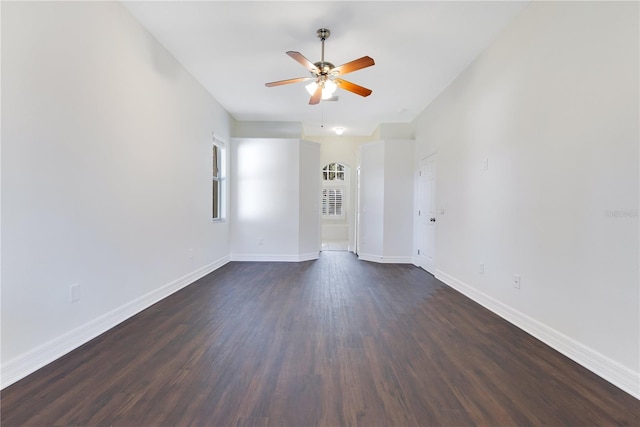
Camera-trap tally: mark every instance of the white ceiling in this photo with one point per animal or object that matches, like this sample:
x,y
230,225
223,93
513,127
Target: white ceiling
x,y
234,47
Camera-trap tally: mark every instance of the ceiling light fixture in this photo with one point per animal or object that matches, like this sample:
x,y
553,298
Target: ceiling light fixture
x,y
328,88
339,131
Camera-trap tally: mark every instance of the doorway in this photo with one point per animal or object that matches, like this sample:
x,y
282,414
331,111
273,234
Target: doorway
x,y
335,203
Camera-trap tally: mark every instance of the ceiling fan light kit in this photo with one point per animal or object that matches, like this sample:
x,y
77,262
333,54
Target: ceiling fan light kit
x,y
327,90
325,75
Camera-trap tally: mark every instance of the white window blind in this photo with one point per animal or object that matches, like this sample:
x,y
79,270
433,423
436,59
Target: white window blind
x,y
332,202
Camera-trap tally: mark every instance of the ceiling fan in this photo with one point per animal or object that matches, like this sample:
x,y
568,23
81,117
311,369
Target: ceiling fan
x,y
325,75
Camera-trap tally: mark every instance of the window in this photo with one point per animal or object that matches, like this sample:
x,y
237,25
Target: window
x,y
333,172
333,190
218,180
332,202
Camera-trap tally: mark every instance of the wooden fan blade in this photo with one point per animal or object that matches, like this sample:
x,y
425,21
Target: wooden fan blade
x,y
355,65
352,87
288,81
315,98
304,61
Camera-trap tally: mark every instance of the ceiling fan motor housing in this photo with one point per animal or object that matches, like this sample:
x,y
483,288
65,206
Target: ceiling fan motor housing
x,y
324,67
323,33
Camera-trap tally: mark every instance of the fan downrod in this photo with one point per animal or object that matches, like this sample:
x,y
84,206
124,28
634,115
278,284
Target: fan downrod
x,y
324,67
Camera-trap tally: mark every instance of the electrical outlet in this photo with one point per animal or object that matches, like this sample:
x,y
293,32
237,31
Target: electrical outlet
x,y
516,281
74,293
261,241
191,253
481,269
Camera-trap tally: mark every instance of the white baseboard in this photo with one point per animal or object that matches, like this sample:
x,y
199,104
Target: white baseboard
x,y
275,257
386,259
309,257
29,362
619,375
369,257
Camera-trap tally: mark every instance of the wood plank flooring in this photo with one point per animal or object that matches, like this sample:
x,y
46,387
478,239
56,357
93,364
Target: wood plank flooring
x,y
332,342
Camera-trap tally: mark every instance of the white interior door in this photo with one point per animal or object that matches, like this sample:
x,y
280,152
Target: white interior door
x,y
427,214
356,239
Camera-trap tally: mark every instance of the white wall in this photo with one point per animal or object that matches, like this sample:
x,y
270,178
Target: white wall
x,y
105,176
396,131
266,198
309,208
344,149
553,106
267,129
386,197
398,200
371,200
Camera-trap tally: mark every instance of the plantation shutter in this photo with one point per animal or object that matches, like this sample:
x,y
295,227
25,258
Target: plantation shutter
x,y
332,202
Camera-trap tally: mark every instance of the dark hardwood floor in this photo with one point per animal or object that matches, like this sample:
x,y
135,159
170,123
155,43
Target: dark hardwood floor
x,y
330,342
